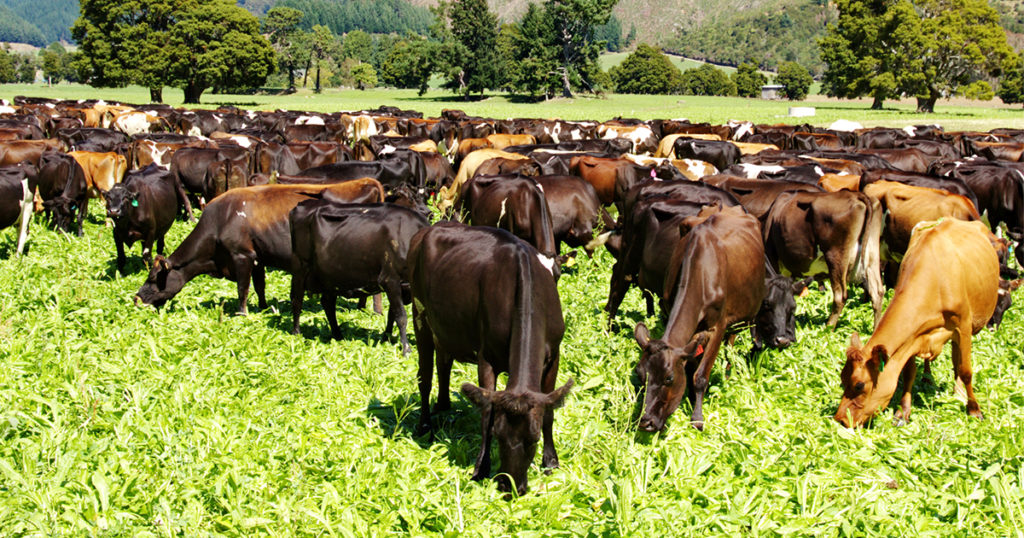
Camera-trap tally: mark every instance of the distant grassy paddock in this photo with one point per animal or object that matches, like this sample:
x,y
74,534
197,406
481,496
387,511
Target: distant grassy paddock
x,y
953,115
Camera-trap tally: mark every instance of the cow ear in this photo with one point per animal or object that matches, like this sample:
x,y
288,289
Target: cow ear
x,y
800,285
556,398
642,335
479,396
855,341
879,356
161,263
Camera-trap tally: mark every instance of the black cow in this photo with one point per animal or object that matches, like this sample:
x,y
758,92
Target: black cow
x,y
719,153
482,295
60,182
15,200
143,207
574,209
351,248
513,203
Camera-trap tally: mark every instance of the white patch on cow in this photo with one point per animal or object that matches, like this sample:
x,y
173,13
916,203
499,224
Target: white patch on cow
x,y
145,252
555,131
4,109
309,120
752,170
741,128
49,105
540,188
548,263
576,134
819,171
910,130
101,102
388,149
194,131
502,214
695,167
845,126
610,134
242,141
240,213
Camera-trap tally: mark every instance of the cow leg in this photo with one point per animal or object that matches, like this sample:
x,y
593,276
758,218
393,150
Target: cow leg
x,y
549,459
619,287
486,380
702,375
121,258
297,294
378,304
962,366
329,302
425,372
902,416
649,299
147,252
396,313
837,279
83,210
243,272
444,380
259,283
27,206
183,197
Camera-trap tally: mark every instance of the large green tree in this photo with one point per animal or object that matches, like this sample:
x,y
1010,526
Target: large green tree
x,y
748,80
409,64
574,23
290,43
922,48
795,80
190,44
646,71
469,33
1011,87
707,80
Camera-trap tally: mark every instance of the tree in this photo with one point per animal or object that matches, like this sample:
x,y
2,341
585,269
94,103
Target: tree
x,y
795,80
748,80
707,80
7,71
359,45
193,45
289,41
574,22
364,76
924,48
532,61
1011,87
409,65
469,33
646,71
323,45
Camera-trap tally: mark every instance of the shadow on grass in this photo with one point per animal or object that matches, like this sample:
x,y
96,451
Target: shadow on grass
x,y
458,429
319,329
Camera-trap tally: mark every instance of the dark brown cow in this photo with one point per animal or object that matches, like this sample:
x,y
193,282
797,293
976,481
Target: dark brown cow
x,y
482,295
757,195
143,208
25,150
15,200
833,233
575,210
512,203
948,288
716,279
351,248
239,235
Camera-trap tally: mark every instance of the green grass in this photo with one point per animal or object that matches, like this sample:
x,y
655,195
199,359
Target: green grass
x,y
117,420
953,115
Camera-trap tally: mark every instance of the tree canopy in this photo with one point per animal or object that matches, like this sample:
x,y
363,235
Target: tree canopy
x,y
193,45
707,80
922,48
795,80
468,32
748,80
646,71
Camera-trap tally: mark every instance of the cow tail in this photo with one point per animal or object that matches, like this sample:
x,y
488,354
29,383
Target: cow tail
x,y
520,339
867,267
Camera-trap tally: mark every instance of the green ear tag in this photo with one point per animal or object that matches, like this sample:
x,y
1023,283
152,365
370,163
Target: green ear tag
x,y
135,203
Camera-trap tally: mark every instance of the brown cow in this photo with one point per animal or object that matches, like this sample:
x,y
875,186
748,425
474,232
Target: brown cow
x,y
102,170
25,150
833,233
906,205
947,289
716,278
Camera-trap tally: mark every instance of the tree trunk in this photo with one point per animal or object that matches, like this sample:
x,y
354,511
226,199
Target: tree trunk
x,y
318,77
291,77
192,93
926,105
566,87
156,95
876,104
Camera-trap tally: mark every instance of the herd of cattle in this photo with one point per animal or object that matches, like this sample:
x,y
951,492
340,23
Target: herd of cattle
x,y
722,225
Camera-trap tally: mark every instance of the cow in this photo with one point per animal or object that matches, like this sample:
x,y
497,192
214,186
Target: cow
x,y
143,208
513,203
102,170
467,169
833,233
613,177
15,201
757,195
25,150
716,279
949,184
575,210
947,289
345,248
60,184
482,295
719,153
239,235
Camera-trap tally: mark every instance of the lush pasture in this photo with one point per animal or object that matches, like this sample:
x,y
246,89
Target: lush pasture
x,y
952,114
188,420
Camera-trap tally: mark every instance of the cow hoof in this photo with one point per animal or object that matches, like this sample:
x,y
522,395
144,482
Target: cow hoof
x,y
899,422
698,424
424,429
479,476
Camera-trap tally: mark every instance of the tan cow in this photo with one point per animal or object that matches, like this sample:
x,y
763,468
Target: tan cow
x,y
102,170
947,289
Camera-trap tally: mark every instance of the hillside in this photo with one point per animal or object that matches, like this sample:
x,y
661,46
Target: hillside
x,y
37,22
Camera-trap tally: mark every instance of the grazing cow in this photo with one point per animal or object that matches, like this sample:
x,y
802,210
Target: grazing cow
x,y
239,235
841,229
906,205
513,203
947,289
143,208
351,248
25,150
60,184
716,279
612,178
719,153
15,201
574,209
949,184
482,295
757,195
102,170
467,169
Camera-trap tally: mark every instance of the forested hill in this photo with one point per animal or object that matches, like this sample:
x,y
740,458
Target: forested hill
x,y
37,22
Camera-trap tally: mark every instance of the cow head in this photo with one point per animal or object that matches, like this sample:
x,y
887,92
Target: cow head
x,y
662,371
859,379
119,199
775,325
1003,302
163,283
517,422
63,211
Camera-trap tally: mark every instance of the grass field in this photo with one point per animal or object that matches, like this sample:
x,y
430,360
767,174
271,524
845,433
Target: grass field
x,y
117,420
952,114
